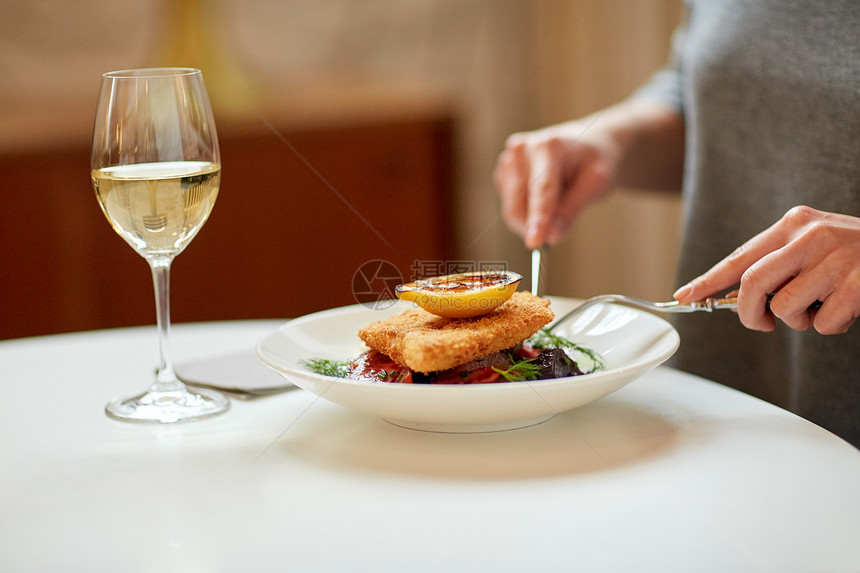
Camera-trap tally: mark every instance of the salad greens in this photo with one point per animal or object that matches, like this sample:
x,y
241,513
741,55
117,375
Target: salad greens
x,y
336,368
545,339
519,370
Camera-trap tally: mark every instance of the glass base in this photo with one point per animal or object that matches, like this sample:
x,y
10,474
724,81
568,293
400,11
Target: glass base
x,y
171,407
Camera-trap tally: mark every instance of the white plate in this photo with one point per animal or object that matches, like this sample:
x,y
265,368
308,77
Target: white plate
x,y
631,341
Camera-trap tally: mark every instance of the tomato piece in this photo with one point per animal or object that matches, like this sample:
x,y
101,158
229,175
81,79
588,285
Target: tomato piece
x,y
479,376
528,351
373,366
482,376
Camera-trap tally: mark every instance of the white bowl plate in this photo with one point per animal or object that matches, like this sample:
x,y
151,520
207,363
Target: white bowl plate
x,y
632,342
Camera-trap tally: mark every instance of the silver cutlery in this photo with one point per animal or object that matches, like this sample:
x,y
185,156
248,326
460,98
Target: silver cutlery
x,y
706,305
536,257
240,392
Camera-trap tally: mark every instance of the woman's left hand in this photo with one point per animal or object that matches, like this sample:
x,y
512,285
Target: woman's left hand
x,y
806,256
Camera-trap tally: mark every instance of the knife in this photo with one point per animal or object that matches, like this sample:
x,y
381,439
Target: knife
x,y
536,256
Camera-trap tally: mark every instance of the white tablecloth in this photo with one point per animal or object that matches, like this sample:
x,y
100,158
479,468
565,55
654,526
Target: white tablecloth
x,y
671,473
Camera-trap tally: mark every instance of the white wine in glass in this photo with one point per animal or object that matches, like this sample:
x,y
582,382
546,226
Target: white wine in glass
x,y
156,172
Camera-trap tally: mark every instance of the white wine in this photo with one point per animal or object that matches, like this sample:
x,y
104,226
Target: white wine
x,y
158,207
144,119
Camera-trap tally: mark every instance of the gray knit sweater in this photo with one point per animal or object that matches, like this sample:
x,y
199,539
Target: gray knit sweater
x,y
770,91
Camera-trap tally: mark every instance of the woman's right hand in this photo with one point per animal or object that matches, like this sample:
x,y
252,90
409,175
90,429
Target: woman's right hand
x,y
545,177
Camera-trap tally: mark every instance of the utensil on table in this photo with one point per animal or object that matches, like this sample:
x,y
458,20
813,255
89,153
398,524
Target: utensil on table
x,y
238,391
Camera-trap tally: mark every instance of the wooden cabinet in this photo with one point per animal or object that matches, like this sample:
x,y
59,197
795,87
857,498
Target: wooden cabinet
x,y
299,211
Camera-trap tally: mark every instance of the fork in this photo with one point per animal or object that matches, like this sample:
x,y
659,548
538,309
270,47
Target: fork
x,y
707,305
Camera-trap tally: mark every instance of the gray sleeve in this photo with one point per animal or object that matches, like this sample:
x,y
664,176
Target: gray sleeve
x,y
667,84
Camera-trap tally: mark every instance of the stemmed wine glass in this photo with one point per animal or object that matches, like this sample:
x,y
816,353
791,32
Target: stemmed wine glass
x,y
156,171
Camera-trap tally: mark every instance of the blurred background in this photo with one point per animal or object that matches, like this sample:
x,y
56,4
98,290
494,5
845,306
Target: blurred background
x,y
351,132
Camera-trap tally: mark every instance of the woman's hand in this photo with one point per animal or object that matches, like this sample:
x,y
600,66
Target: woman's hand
x,y
807,256
546,177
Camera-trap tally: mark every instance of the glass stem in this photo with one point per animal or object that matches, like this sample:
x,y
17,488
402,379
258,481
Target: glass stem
x,y
165,377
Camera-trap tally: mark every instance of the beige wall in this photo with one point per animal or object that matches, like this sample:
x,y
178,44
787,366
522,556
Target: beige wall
x,y
500,65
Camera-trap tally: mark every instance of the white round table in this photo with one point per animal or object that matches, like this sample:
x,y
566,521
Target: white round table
x,y
671,473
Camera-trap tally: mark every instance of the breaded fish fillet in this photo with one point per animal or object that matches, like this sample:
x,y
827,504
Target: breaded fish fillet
x,y
427,343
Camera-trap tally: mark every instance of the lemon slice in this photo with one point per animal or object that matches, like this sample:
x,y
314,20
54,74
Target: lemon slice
x,y
463,295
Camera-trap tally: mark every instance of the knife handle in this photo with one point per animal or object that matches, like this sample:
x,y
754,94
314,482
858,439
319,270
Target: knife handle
x,y
732,302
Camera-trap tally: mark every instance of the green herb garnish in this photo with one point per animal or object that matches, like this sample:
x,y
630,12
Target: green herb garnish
x,y
393,376
545,339
336,368
519,370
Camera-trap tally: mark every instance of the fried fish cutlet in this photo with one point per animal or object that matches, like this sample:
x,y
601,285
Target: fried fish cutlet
x,y
428,343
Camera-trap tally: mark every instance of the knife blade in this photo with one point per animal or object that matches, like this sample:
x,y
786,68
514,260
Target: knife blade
x,y
536,261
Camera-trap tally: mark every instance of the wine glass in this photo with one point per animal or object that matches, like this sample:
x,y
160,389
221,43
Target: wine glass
x,y
156,171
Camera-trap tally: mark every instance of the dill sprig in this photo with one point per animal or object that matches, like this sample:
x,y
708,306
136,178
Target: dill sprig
x,y
392,376
336,368
546,339
519,370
